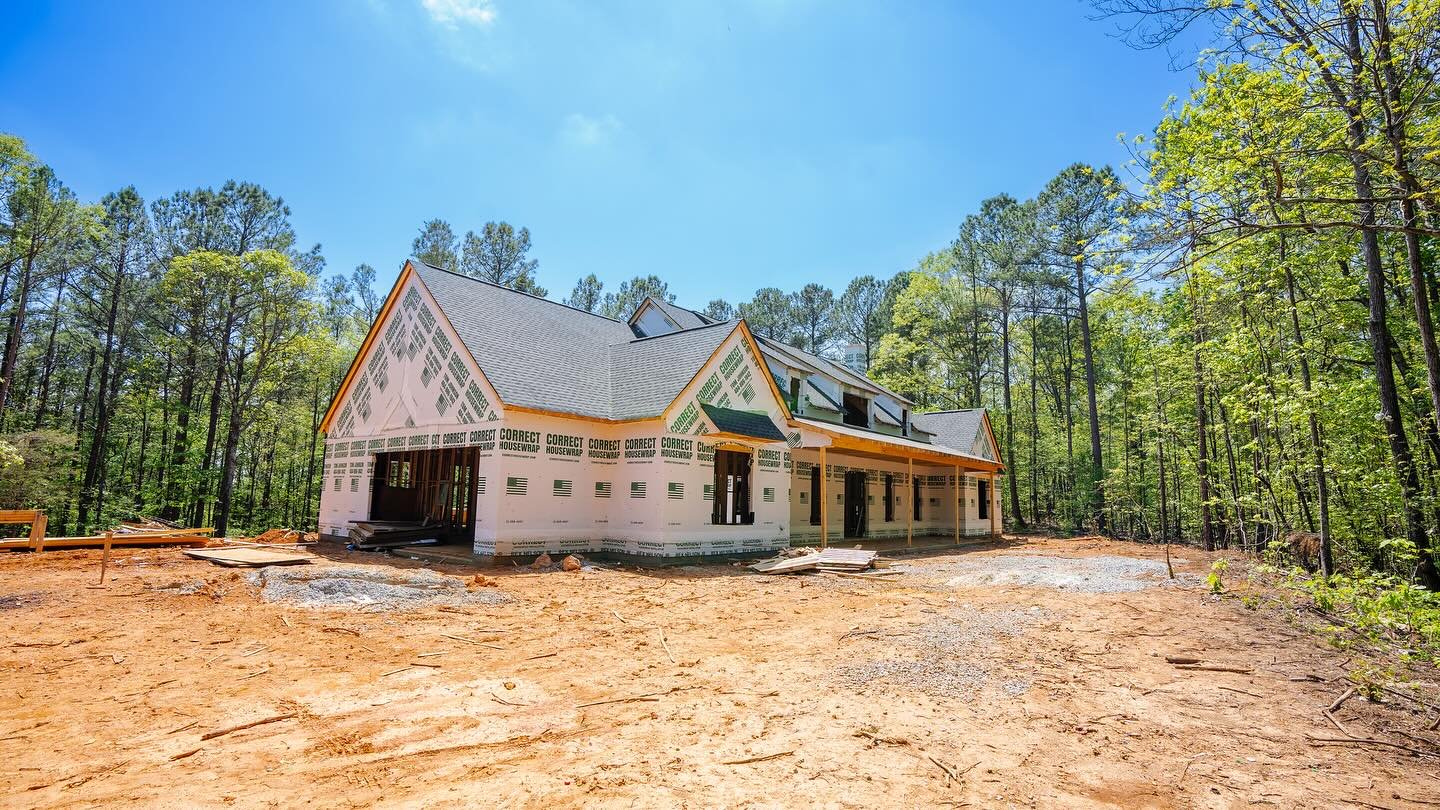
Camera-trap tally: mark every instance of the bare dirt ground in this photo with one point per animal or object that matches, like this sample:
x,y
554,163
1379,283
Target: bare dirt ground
x,y
958,682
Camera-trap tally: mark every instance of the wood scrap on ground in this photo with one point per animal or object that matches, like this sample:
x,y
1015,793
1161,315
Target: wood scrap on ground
x,y
252,724
830,560
762,758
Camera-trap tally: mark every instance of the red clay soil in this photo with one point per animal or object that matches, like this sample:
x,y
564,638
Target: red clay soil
x,y
696,687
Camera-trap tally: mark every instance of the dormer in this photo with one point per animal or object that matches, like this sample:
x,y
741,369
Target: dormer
x,y
650,320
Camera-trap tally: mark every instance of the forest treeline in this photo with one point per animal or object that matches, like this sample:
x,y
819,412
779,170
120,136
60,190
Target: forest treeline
x,y
1228,339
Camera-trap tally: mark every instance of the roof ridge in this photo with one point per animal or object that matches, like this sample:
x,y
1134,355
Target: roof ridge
x,y
517,292
697,313
672,334
811,358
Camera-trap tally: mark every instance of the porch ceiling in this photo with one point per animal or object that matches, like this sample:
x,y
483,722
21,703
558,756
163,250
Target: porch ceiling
x,y
875,445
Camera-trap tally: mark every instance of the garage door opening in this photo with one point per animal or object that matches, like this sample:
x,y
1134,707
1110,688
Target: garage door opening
x,y
427,487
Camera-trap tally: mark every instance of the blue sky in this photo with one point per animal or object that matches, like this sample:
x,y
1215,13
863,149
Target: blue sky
x,y
722,146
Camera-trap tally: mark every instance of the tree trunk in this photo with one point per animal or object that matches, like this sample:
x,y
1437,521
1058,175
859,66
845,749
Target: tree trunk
x,y
1012,478
15,333
1202,433
1322,490
1097,464
232,445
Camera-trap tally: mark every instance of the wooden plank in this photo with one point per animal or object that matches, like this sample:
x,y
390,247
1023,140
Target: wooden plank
x,y
164,532
785,565
105,560
248,557
19,515
37,532
99,540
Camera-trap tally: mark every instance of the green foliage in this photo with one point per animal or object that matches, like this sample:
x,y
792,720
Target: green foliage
x,y
1379,607
1215,579
33,469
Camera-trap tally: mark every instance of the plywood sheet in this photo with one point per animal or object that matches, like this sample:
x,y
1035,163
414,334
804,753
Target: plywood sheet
x,y
248,557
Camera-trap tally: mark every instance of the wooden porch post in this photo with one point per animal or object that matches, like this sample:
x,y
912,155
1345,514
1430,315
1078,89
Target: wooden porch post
x,y
824,501
994,518
957,504
910,513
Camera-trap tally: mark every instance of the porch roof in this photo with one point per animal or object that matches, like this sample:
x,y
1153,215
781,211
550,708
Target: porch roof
x,y
848,437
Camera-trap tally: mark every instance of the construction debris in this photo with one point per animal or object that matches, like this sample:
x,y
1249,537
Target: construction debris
x,y
127,534
543,561
378,534
278,537
570,563
832,560
248,557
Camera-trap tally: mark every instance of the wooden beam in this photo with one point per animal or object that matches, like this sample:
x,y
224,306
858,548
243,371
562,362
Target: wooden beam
x,y
824,500
37,532
910,513
957,504
105,560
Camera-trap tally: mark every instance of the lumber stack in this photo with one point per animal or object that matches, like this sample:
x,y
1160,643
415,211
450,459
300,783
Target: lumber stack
x,y
119,537
378,534
830,560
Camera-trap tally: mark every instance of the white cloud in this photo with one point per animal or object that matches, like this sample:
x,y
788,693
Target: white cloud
x,y
454,13
588,130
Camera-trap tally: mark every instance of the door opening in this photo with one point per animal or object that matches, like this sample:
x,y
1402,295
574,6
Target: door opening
x,y
433,487
855,504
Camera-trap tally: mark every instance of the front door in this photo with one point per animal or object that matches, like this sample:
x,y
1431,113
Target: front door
x,y
855,504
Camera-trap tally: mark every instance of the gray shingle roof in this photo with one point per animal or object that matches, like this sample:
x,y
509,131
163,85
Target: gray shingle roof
x,y
545,355
647,374
828,367
954,429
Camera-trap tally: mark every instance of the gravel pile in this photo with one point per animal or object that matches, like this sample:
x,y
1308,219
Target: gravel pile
x,y
366,588
971,632
933,676
1102,574
949,654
